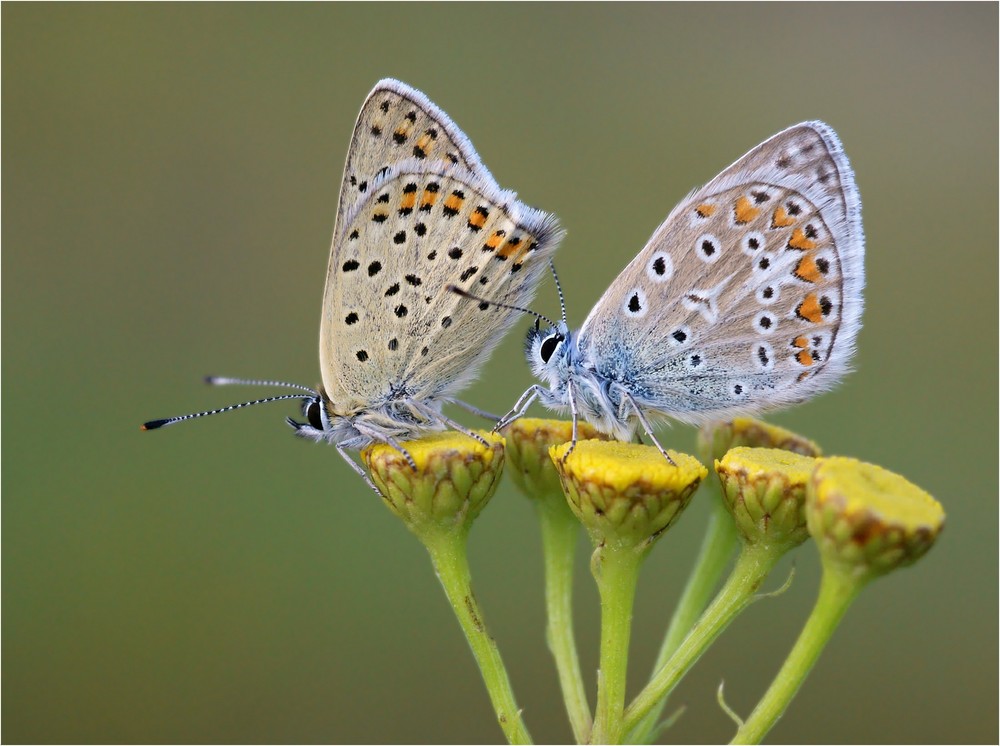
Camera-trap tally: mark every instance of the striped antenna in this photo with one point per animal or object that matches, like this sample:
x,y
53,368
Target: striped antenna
x,y
224,381
562,300
458,291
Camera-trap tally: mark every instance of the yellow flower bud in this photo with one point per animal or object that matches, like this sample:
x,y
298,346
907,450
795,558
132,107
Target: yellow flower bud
x,y
765,490
867,520
715,439
626,494
455,477
528,443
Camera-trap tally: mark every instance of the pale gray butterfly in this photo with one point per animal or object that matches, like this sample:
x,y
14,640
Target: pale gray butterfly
x,y
747,297
418,213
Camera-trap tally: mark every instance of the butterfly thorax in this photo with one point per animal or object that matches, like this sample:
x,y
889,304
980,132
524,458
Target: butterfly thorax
x,y
600,401
556,358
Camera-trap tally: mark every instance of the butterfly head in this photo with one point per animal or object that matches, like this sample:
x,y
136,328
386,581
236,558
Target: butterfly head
x,y
317,419
551,352
323,426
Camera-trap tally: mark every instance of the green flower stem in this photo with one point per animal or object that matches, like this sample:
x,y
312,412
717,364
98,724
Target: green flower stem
x,y
560,533
752,566
616,570
836,593
447,548
713,558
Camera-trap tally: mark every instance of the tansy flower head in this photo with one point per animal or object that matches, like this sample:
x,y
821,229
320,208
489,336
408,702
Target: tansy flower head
x,y
528,443
765,490
715,439
624,493
455,477
867,520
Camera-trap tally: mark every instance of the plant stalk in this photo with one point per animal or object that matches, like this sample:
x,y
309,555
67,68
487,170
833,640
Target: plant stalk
x,y
617,572
836,593
752,567
713,557
448,554
560,533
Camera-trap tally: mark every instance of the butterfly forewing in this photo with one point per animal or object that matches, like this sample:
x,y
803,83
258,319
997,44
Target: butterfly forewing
x,y
397,329
737,303
397,123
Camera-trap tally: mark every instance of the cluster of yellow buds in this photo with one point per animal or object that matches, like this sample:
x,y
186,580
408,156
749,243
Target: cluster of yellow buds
x,y
775,485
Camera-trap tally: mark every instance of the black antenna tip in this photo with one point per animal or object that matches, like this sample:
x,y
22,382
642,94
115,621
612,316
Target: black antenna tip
x,y
210,380
153,424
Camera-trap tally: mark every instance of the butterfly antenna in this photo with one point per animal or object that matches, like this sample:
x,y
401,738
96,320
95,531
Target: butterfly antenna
x,y
156,424
562,299
458,291
225,381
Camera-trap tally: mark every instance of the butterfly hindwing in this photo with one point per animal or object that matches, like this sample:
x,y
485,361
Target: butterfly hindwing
x,y
396,326
749,294
396,124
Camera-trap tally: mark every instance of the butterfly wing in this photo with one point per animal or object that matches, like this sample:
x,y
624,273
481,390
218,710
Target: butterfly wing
x,y
749,295
396,123
396,328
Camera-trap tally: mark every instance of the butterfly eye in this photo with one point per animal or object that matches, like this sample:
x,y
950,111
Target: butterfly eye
x,y
549,346
312,414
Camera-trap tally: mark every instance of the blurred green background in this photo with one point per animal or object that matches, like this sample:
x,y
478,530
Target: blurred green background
x,y
169,178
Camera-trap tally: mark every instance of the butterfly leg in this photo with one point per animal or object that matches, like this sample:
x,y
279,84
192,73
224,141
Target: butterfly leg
x,y
446,420
475,410
361,472
380,437
623,409
519,409
646,426
576,419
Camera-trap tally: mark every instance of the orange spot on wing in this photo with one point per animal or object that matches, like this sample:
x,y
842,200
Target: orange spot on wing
x,y
454,202
810,310
427,199
408,201
744,211
477,220
801,342
705,210
780,219
515,246
425,143
493,241
800,242
802,376
804,357
807,270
